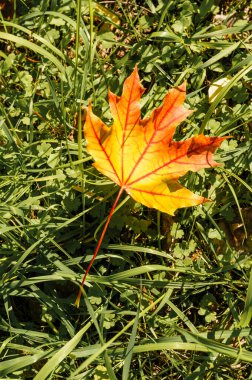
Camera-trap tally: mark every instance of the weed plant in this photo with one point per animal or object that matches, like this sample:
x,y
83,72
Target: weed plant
x,y
167,297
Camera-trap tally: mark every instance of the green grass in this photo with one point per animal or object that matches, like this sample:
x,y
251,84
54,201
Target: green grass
x,y
167,297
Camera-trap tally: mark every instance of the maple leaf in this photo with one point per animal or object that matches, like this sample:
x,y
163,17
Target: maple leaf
x,y
141,155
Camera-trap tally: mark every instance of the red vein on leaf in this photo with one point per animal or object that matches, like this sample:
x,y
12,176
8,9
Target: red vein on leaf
x,y
104,150
156,194
155,131
168,163
125,128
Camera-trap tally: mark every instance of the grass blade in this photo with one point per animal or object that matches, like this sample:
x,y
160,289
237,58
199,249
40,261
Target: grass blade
x,y
247,313
37,49
57,358
130,347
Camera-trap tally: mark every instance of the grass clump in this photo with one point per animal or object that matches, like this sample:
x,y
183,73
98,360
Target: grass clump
x,y
167,297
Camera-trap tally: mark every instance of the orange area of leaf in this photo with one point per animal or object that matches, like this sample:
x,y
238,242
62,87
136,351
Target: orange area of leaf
x,y
141,156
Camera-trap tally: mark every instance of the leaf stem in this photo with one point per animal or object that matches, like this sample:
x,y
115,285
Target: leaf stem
x,y
77,302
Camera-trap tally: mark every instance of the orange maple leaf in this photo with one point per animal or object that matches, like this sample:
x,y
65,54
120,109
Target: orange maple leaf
x,y
141,156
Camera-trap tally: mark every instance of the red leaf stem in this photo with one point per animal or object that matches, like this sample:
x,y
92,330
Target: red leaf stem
x,y
77,302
